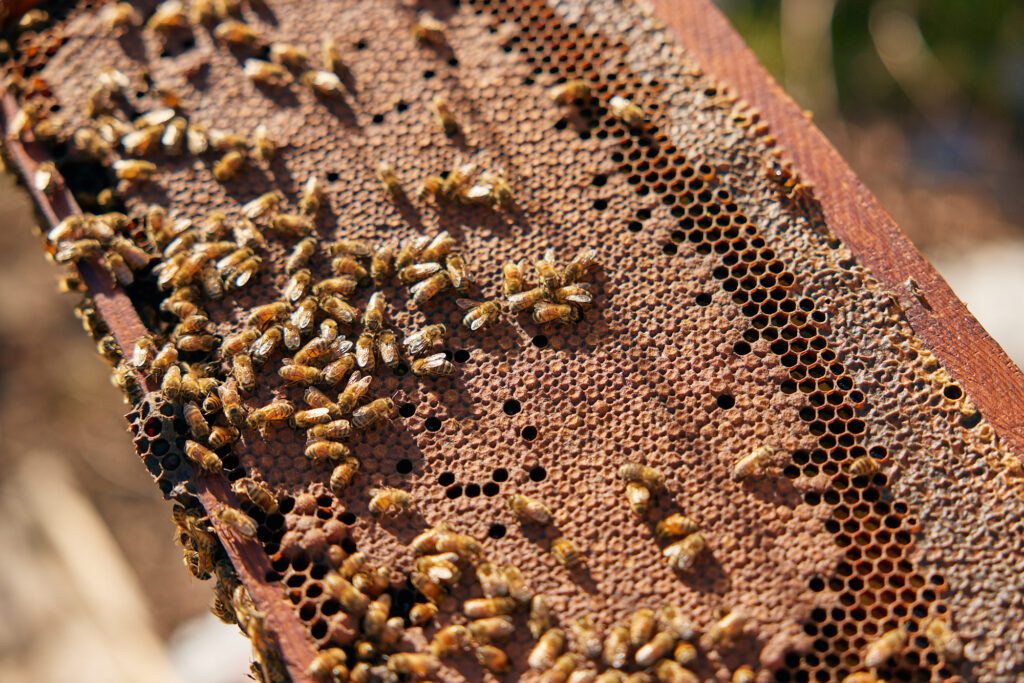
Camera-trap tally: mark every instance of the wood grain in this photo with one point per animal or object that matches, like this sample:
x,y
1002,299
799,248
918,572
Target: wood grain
x,y
972,357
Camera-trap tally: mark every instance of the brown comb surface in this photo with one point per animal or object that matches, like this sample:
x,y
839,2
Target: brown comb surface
x,y
726,317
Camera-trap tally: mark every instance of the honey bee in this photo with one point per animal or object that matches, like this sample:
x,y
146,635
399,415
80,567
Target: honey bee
x,y
642,474
366,352
352,601
387,347
864,466
435,365
411,251
196,422
171,384
134,170
493,659
753,463
561,669
291,56
586,639
417,664
458,272
429,31
444,116
221,436
432,187
173,139
263,205
139,143
676,525
639,498
449,641
944,640
335,371
549,646
316,350
541,616
245,375
303,419
291,225
337,429
376,617
332,56
324,83
354,391
518,589
202,456
492,580
388,178
390,502
547,312
261,316
239,341
338,309
223,141
298,285
228,166
309,202
522,300
529,510
455,185
783,175
626,111
237,34
482,608
278,410
682,555
422,614
685,653
672,619
417,272
669,671
165,357
426,290
343,474
321,450
342,286
724,631
642,627
425,339
329,665
492,629
266,73
257,493
168,16
744,674
616,647
566,552
570,92
301,255
581,264
121,15
889,645
133,255
196,141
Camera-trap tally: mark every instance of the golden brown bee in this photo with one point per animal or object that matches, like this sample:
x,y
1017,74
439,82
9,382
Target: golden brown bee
x,y
139,143
520,301
642,626
352,601
864,466
668,671
429,31
355,389
418,272
863,677
685,653
437,248
444,116
171,384
317,350
586,639
221,436
561,669
332,56
566,552
529,510
449,640
292,56
342,286
202,456
291,225
303,419
492,629
263,205
422,614
541,616
228,166
168,16
267,344
321,450
570,92
301,255
549,646
266,73
518,589
196,422
376,617
388,178
237,33
546,312
309,202
616,647
435,365
481,608
390,502
676,525
324,83
417,664
432,187
426,290
639,498
298,285
343,474
245,375
682,555
492,580
724,631
944,640
335,371
366,352
373,317
339,309
411,250
373,413
754,463
642,474
387,347
382,263
493,659
258,493
329,665
889,645
278,410
357,248
493,189
134,170
626,111
243,339
581,264
458,272
744,674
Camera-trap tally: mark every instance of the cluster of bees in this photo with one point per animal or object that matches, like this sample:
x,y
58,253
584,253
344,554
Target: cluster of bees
x,y
891,644
103,238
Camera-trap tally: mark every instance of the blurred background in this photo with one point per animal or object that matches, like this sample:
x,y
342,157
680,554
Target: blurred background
x,y
925,100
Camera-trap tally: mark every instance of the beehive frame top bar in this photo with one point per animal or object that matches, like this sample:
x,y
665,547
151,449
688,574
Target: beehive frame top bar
x,y
819,478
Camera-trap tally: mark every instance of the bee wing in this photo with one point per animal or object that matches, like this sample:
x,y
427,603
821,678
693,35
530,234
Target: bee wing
x,y
467,304
549,255
436,363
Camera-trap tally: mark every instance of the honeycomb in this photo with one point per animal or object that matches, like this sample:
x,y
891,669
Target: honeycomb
x,y
727,325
